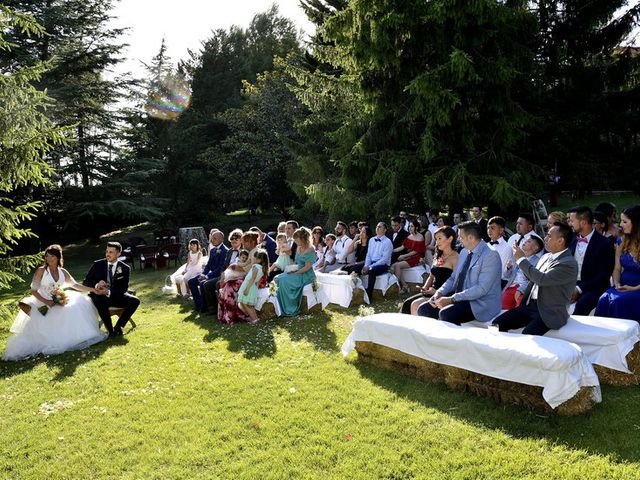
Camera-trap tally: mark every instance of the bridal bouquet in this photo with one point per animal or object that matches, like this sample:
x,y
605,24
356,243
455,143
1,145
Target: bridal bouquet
x,y
58,296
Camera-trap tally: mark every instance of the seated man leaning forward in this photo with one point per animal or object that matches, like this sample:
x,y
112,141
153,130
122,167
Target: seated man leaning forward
x,y
545,301
378,258
473,291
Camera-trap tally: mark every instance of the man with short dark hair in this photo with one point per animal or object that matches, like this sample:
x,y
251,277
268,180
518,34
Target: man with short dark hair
x,y
290,228
595,256
341,248
495,231
110,277
473,289
397,237
551,283
378,258
482,222
525,226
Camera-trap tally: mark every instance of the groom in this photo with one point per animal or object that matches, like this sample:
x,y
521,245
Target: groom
x,y
110,278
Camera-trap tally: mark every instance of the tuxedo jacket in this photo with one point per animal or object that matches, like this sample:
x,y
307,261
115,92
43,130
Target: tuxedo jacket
x,y
215,264
556,280
402,234
269,244
99,271
598,263
481,287
227,259
483,229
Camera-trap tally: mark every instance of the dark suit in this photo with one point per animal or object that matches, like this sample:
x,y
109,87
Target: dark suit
x,y
597,267
119,285
555,280
400,237
483,229
269,244
211,273
210,289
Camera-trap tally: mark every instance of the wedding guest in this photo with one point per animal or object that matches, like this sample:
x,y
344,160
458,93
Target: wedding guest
x,y
290,228
554,218
595,256
228,310
190,270
533,249
481,221
405,219
328,258
341,247
378,258
444,263
50,327
291,284
601,223
354,230
266,243
398,234
609,209
317,242
495,232
282,227
623,300
210,289
248,293
413,253
359,249
545,301
473,290
429,241
210,273
524,229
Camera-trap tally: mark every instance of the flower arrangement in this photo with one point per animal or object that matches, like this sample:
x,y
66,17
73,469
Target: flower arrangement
x,y
314,285
59,297
273,288
365,311
354,279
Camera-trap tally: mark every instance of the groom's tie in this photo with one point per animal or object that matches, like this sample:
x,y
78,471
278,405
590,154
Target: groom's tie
x,y
110,269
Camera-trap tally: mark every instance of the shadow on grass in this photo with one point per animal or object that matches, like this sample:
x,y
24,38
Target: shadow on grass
x,y
64,364
611,428
259,340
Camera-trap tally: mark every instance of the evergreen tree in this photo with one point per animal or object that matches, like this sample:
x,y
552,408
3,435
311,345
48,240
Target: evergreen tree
x,y
27,135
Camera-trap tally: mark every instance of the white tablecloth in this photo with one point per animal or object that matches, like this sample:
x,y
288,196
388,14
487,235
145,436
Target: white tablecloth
x,y
559,367
415,274
339,288
605,341
383,282
313,299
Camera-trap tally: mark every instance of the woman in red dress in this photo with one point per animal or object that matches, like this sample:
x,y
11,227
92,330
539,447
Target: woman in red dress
x,y
414,250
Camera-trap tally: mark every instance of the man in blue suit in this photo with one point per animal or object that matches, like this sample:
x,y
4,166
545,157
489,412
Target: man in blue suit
x,y
473,291
595,255
211,272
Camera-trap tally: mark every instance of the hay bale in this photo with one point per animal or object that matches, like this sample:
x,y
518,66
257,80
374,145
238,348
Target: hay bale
x,y
358,297
305,308
502,391
621,379
268,311
393,290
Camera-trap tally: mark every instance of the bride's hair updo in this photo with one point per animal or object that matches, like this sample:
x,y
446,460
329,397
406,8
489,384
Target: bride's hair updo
x,y
56,251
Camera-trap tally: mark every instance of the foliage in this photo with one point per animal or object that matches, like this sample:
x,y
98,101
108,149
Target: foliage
x,y
27,134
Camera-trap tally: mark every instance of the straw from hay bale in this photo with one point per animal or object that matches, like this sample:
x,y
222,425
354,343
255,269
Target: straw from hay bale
x,y
463,380
391,291
267,311
621,379
304,307
358,297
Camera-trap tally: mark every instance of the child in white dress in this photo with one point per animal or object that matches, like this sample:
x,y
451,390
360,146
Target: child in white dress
x,y
192,269
233,274
248,293
283,250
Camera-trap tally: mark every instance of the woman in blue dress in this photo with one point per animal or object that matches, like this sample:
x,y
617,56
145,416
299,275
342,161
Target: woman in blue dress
x,y
623,300
291,283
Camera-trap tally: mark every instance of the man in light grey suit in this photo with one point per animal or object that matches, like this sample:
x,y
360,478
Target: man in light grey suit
x,y
473,290
545,301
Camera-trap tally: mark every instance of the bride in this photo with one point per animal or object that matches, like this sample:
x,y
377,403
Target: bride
x,y
56,328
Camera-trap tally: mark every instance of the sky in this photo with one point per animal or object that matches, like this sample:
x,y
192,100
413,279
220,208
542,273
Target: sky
x,y
186,23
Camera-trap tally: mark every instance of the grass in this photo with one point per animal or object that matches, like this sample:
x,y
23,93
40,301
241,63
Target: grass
x,y
183,396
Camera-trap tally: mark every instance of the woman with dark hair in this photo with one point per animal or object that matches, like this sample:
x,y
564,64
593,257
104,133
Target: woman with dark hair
x,y
444,263
415,250
623,299
360,246
317,240
52,320
609,209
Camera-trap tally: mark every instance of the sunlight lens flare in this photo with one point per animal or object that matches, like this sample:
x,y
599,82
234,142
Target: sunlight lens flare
x,y
168,98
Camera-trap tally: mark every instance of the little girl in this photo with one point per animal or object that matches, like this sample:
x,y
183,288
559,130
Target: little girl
x,y
283,250
328,255
234,273
191,269
248,293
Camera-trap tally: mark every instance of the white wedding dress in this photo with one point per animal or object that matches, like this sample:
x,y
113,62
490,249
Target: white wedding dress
x,y
73,326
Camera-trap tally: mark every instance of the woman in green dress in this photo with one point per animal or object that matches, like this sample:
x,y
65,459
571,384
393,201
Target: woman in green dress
x,y
290,284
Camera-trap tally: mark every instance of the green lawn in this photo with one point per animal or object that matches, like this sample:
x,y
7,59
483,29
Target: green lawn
x,y
183,396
